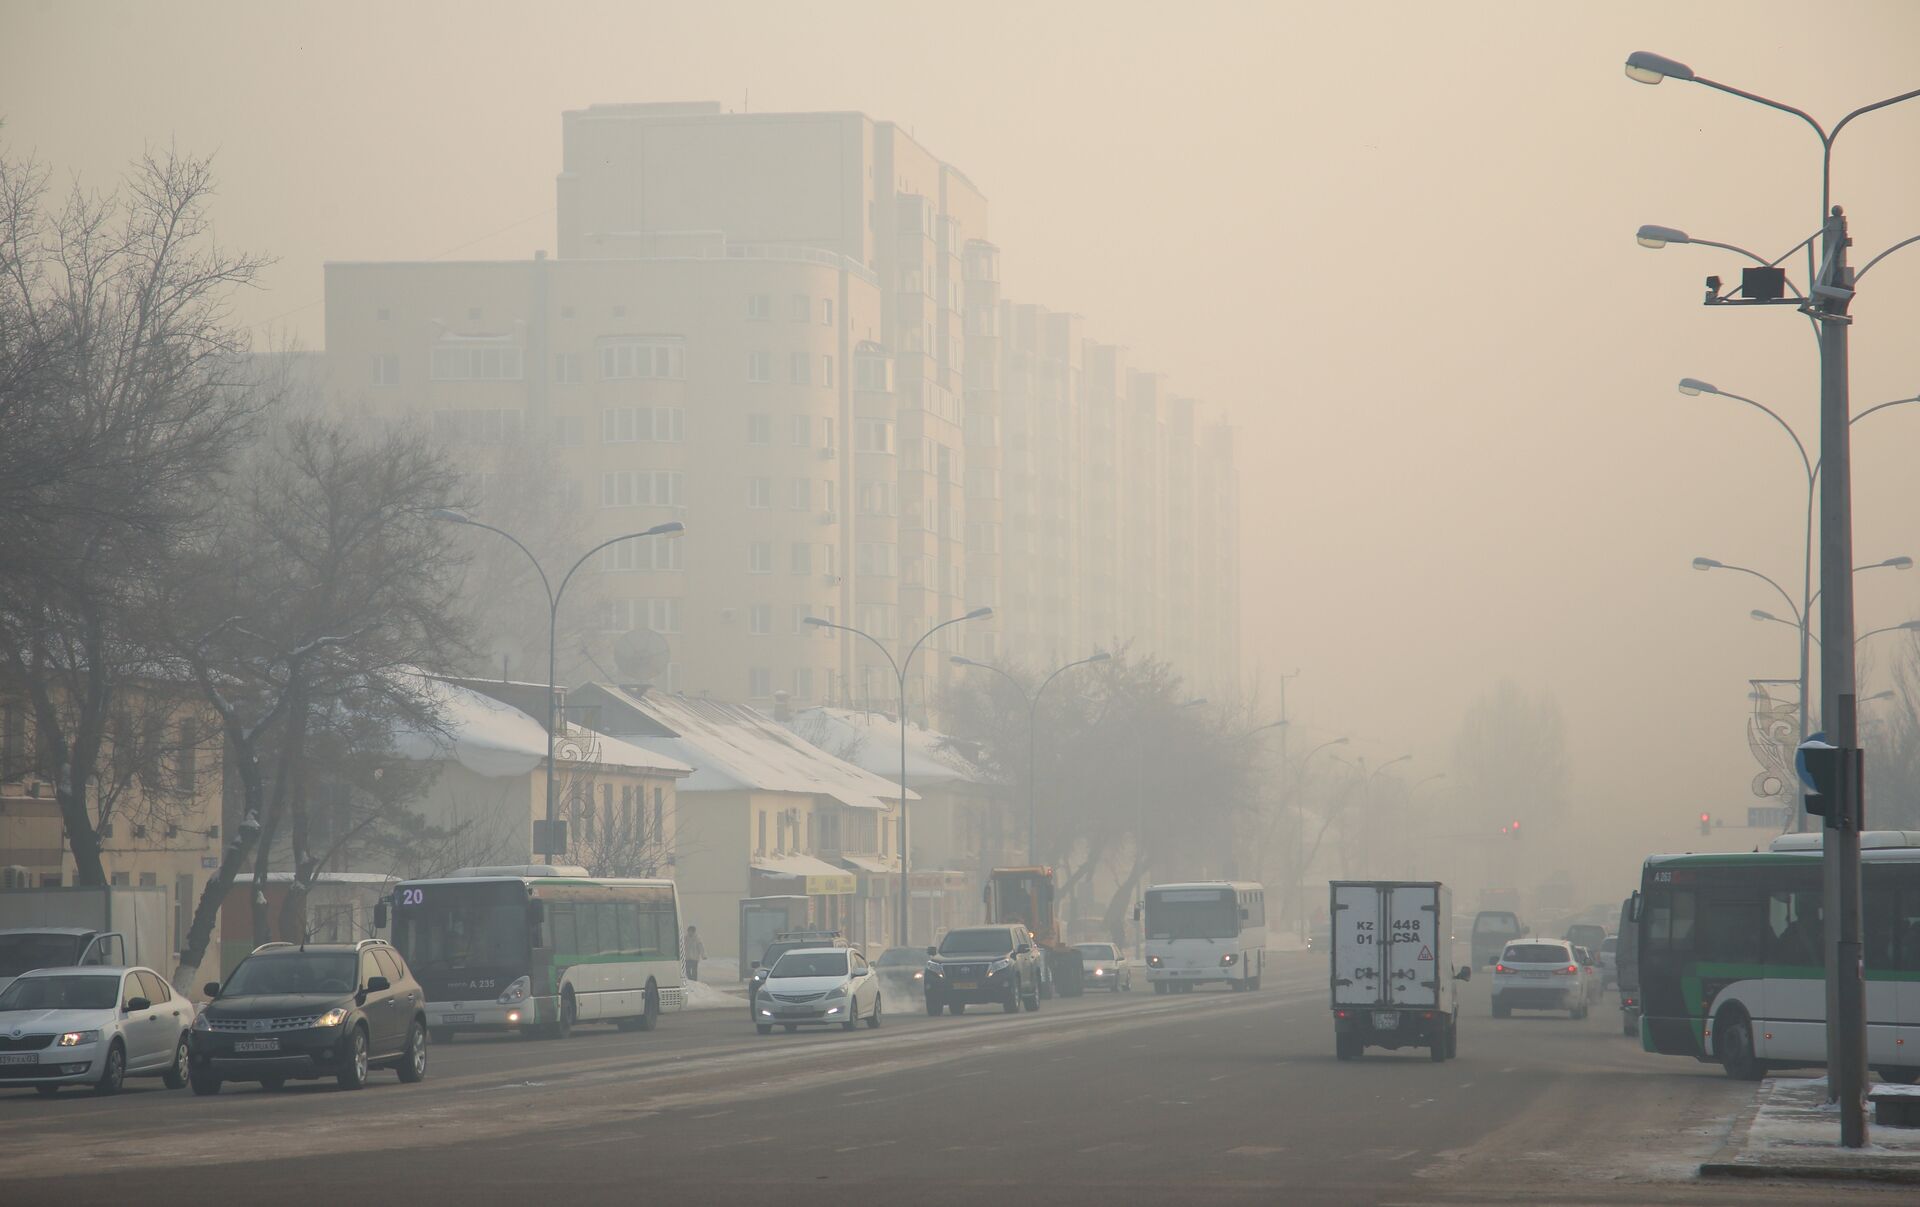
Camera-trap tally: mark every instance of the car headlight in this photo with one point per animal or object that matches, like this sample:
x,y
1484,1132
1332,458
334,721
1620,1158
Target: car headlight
x,y
1229,960
838,991
1000,966
74,1039
919,973
766,1012
1153,961
516,992
332,1018
200,1023
1099,972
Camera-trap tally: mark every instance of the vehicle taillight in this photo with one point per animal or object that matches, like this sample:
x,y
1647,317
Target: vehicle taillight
x,y
1566,971
1499,967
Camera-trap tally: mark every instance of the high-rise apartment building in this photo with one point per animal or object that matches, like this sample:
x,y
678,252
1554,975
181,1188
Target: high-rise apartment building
x,y
786,330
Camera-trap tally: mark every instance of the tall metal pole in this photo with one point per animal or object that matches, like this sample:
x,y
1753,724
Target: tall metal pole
x,y
1840,852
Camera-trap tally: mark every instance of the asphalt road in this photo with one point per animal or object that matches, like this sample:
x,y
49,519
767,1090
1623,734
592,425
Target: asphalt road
x,y
1203,1098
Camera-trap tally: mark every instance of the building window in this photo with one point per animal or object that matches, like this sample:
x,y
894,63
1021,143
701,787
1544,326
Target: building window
x,y
878,498
569,431
660,425
650,554
760,366
186,764
759,429
759,682
802,558
803,683
642,488
760,557
659,815
760,843
382,315
826,311
568,369
800,614
826,370
477,427
386,369
802,308
801,369
662,357
487,359
803,430
760,306
759,492
873,373
760,619
873,435
800,494
876,559
659,615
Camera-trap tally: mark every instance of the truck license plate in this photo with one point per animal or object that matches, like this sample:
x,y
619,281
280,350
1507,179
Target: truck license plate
x,y
257,1045
1385,1020
456,1018
18,1058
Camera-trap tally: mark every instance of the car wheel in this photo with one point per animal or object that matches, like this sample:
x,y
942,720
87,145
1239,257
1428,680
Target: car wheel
x,y
1501,1009
203,1084
1253,983
873,1020
46,1091
933,1007
114,1074
763,1028
1579,1011
441,1035
853,1013
1159,986
1013,1000
649,1009
1733,1040
175,1078
1629,1026
1346,1046
563,1026
353,1071
1453,1038
1033,1002
956,1008
413,1059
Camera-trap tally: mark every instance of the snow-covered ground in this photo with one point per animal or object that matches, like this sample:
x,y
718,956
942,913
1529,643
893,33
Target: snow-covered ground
x,y
704,996
1795,1126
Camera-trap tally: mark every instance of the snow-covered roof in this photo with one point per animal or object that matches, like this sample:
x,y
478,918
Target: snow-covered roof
x,y
872,740
870,863
733,747
494,739
796,865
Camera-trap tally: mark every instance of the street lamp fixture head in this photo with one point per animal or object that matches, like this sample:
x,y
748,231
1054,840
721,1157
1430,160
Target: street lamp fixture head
x,y
670,528
1903,562
1646,67
815,621
449,515
1102,656
1762,614
962,660
1911,626
1196,702
1705,563
978,614
1659,236
1693,387
1338,742
1885,695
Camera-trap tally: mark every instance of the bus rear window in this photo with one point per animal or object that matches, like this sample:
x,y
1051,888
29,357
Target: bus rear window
x,y
1669,919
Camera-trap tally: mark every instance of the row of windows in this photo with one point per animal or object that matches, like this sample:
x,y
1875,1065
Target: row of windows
x,y
601,928
643,488
798,496
1784,926
476,362
649,553
627,425
800,308
799,368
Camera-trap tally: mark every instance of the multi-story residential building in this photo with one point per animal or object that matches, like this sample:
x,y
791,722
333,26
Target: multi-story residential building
x,y
787,330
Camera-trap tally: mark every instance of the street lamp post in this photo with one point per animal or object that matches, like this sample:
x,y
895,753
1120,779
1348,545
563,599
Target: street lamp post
x,y
1831,287
900,669
1300,834
554,843
1033,725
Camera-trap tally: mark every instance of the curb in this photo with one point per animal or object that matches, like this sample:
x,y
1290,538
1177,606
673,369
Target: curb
x,y
1753,1170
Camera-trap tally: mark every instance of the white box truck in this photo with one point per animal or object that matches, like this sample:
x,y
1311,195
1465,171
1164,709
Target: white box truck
x,y
110,925
1393,979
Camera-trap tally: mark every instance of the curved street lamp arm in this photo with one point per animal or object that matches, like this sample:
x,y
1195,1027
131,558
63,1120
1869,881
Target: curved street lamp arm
x,y
1063,670
901,668
1756,98
1791,606
1863,110
1868,266
589,553
1806,462
545,585
884,651
988,666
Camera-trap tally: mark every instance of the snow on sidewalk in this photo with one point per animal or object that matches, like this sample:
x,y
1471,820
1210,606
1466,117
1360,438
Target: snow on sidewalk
x,y
1795,1132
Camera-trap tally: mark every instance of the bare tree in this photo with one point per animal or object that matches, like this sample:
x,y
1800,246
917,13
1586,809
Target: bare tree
x,y
121,395
1510,757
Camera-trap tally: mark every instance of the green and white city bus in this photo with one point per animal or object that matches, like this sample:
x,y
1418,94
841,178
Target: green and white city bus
x,y
1731,964
538,949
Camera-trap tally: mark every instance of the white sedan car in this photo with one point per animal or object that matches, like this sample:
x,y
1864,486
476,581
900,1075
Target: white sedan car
x,y
817,987
1539,974
1103,967
92,1026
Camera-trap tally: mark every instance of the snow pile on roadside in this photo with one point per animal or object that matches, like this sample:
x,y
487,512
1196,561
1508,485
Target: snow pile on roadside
x,y
702,996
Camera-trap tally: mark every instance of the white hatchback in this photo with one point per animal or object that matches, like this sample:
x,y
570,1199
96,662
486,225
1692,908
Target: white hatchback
x,y
92,1026
817,987
1539,974
1103,967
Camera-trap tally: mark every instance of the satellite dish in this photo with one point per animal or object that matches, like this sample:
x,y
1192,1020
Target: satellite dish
x,y
641,655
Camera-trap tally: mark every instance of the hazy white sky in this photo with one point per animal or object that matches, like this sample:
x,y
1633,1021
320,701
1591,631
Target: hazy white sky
x,y
1398,247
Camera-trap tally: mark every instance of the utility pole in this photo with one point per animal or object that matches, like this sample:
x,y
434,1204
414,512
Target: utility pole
x,y
1840,849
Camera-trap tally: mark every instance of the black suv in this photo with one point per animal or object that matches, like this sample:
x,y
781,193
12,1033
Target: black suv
x,y
784,942
984,964
299,1013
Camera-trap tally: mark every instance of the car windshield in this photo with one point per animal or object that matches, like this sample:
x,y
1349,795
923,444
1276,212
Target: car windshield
x,y
899,955
810,963
1609,946
976,943
296,972
1095,951
24,953
1535,953
62,993
1496,923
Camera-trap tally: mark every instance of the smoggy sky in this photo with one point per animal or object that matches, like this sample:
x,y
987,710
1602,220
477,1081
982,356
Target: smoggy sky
x,y
1398,249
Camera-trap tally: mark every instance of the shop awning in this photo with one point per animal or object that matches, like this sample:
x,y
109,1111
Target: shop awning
x,y
870,864
817,877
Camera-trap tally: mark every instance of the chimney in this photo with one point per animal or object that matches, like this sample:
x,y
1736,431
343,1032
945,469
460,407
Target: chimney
x,y
782,707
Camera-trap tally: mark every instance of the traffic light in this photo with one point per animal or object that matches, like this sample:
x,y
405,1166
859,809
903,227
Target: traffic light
x,y
1706,823
1514,830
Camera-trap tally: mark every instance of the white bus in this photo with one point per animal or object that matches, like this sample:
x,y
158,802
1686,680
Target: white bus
x,y
1197,933
537,949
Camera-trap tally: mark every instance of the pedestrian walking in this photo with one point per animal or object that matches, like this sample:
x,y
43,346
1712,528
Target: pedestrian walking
x,y
694,951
